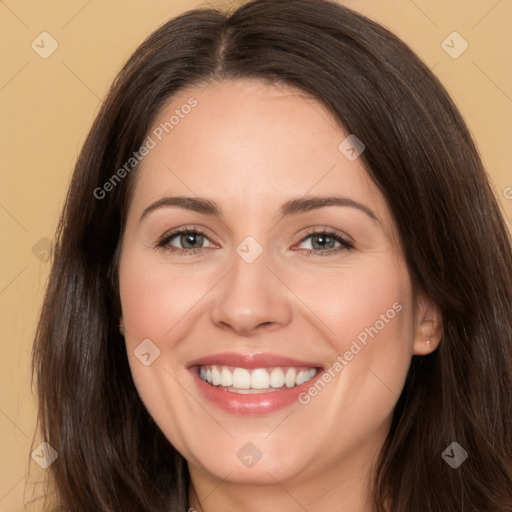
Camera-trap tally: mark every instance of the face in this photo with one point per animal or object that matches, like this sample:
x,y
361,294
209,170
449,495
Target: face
x,y
268,311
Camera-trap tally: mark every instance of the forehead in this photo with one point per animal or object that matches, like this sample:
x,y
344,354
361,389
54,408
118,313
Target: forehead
x,y
252,143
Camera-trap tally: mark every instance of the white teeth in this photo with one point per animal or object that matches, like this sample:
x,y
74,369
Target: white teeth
x,y
248,381
289,380
226,378
260,379
215,376
302,377
241,378
277,378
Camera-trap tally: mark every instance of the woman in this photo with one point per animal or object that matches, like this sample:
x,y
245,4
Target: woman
x,y
195,353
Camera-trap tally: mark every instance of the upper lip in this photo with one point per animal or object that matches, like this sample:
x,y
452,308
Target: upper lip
x,y
262,360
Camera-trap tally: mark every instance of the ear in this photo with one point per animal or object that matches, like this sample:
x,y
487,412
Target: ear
x,y
121,326
428,327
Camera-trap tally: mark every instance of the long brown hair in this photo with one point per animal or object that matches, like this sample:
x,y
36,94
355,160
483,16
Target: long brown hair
x,y
111,454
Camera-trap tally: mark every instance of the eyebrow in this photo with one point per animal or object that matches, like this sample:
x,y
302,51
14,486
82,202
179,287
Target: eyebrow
x,y
289,208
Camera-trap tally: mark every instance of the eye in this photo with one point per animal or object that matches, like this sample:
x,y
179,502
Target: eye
x,y
191,241
323,243
184,241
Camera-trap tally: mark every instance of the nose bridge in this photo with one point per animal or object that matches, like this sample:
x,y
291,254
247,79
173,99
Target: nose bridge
x,y
250,296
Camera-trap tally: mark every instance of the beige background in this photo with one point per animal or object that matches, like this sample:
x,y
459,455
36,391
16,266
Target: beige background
x,y
47,107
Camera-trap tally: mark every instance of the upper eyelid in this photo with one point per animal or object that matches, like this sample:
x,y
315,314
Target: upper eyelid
x,y
328,231
170,235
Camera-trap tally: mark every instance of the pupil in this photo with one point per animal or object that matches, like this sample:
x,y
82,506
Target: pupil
x,y
190,239
323,241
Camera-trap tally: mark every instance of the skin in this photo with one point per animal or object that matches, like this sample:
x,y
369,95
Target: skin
x,y
250,147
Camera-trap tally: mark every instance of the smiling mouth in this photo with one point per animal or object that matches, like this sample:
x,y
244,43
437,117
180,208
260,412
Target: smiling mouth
x,y
258,380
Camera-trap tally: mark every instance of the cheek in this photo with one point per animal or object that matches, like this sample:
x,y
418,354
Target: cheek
x,y
374,309
156,299
366,316
359,302
375,325
158,306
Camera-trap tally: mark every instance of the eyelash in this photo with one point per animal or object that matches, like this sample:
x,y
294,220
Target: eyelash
x,y
345,244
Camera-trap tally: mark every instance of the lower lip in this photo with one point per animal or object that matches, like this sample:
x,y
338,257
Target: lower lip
x,y
253,404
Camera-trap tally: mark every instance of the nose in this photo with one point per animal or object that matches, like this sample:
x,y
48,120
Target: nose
x,y
251,299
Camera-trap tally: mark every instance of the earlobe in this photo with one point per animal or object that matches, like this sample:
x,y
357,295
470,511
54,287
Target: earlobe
x,y
428,328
